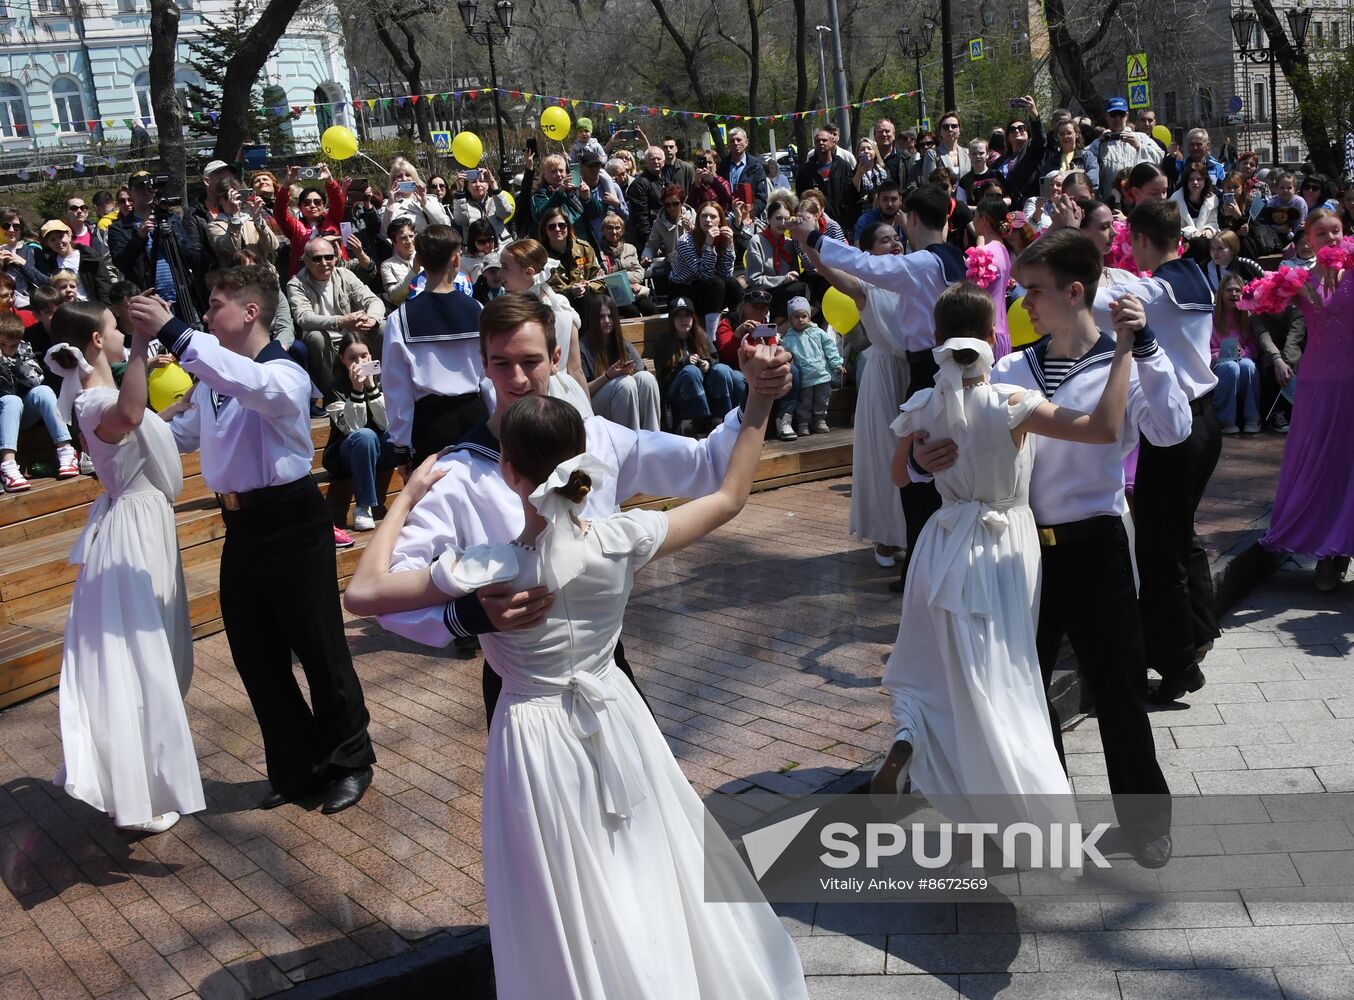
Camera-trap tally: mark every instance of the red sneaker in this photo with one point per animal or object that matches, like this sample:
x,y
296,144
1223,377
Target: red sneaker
x,y
343,540
12,479
67,462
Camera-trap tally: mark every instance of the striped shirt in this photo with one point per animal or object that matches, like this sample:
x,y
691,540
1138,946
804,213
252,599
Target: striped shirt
x,y
707,264
1055,370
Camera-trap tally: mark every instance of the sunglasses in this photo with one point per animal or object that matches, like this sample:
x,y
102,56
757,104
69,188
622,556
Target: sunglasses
x,y
928,144
557,225
1019,128
325,258
312,201
77,208
16,224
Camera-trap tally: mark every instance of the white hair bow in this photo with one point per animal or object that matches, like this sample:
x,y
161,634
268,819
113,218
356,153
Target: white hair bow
x,y
951,375
560,545
72,377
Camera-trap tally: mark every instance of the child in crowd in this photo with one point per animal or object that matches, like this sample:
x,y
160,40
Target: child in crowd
x,y
1234,349
68,284
359,439
1286,211
43,303
128,656
816,354
24,400
583,141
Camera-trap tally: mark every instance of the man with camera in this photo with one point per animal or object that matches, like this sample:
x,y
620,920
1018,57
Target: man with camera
x,y
1119,148
132,240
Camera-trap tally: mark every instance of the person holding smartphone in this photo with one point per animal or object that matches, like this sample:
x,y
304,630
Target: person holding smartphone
x,y
359,443
409,199
479,197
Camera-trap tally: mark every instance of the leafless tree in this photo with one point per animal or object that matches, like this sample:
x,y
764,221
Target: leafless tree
x,y
164,40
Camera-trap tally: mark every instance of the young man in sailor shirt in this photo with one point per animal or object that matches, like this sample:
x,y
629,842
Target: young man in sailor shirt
x,y
250,418
1176,591
1077,495
472,504
918,278
430,359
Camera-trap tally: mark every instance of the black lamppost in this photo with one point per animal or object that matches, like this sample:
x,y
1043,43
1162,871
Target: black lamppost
x,y
914,47
1246,31
487,33
947,44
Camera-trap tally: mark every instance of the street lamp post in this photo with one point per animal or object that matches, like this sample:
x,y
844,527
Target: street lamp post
x,y
487,33
947,63
822,69
1246,31
839,76
914,47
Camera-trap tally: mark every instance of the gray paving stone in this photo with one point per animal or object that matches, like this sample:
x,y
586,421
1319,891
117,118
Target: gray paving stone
x,y
797,918
1320,983
1244,640
1275,780
1213,810
1254,947
1305,905
918,987
1219,691
1316,667
1238,670
1300,710
1239,735
1030,914
1156,913
1193,841
1336,778
1105,950
1277,755
1273,838
954,953
1212,984
1041,986
1215,758
1297,690
1320,730
842,956
1202,714
884,918
1082,764
1231,872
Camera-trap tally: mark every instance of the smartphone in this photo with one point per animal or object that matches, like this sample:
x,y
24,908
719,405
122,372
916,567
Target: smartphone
x,y
1016,102
1229,197
763,331
745,193
369,368
575,174
1112,136
307,172
532,146
407,187
345,231
358,184
472,175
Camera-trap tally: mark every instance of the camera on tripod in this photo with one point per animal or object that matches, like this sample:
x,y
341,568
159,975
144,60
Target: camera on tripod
x,y
156,184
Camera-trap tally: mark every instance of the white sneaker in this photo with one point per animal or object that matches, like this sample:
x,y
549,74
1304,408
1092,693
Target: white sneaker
x,y
86,464
1251,427
885,557
158,825
67,465
1231,429
362,519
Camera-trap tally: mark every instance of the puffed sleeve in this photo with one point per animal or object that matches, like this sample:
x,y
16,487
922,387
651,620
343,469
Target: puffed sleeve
x,y
636,533
1018,413
457,573
912,414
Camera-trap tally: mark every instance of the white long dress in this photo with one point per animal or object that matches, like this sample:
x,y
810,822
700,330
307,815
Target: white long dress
x,y
594,841
128,658
876,506
964,676
563,385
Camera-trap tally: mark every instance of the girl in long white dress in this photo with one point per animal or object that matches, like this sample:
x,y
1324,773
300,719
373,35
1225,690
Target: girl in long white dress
x,y
594,841
128,658
876,504
967,694
526,268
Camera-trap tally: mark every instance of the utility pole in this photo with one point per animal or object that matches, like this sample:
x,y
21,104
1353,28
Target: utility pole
x,y
839,76
947,55
822,68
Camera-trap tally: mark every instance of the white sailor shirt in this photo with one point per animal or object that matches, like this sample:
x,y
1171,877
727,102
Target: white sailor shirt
x,y
1179,307
1072,481
250,418
431,348
472,505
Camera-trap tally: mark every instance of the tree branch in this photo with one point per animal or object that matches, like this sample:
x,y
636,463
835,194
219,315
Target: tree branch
x,y
1099,34
243,72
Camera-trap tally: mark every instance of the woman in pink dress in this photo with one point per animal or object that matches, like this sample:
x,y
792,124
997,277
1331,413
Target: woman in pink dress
x,y
1314,502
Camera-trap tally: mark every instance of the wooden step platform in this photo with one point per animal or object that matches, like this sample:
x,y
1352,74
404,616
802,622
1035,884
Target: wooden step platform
x,y
37,530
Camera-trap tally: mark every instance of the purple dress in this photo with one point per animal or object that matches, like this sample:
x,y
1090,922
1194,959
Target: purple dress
x,y
1314,502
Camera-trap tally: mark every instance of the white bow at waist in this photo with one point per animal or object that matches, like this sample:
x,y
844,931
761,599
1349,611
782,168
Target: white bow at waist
x,y
590,696
958,588
97,512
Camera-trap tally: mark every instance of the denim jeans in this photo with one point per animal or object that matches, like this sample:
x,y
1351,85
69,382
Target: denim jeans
x,y
16,413
713,395
361,453
1237,378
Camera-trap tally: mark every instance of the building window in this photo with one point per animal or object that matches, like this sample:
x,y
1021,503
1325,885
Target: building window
x,y
1262,154
1317,26
1291,154
1261,112
69,105
126,6
50,7
1335,34
141,89
13,115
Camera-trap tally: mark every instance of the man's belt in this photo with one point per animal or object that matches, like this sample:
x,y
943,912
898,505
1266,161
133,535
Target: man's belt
x,y
264,495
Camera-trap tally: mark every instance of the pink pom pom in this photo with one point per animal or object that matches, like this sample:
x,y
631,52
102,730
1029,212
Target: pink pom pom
x,y
982,266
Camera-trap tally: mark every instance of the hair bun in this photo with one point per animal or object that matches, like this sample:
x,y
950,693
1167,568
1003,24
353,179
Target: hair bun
x,y
66,356
577,488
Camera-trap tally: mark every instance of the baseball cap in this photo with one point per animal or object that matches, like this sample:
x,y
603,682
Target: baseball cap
x,y
590,157
585,124
681,304
52,226
760,296
214,166
493,258
798,304
1116,104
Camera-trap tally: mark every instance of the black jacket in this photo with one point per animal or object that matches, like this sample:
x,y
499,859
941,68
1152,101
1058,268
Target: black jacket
x,y
94,274
843,202
131,257
645,198
754,173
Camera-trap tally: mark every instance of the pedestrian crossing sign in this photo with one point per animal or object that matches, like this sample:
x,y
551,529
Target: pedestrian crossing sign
x,y
975,50
1137,67
923,124
1139,95
441,140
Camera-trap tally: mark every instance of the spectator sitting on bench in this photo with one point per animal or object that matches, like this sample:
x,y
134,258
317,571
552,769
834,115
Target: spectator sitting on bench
x,y
359,440
24,400
699,388
43,303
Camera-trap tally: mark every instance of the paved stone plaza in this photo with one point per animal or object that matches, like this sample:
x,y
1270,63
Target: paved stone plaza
x,y
760,651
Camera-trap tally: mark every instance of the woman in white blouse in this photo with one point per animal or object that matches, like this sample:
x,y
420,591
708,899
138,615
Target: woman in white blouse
x,y
1198,209
948,151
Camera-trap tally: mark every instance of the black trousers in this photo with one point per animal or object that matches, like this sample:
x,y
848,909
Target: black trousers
x,y
279,596
492,685
1088,596
441,421
920,500
1176,593
708,295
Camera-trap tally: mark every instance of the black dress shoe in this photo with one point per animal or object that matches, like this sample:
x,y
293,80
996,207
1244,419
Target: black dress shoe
x,y
1154,853
274,799
346,791
1172,688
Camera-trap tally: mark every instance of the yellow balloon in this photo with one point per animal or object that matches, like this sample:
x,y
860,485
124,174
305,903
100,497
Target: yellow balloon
x,y
1162,135
511,201
555,122
840,311
167,385
1018,322
339,142
467,149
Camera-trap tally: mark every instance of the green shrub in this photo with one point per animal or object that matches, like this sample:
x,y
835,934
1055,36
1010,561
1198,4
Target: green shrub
x,y
50,200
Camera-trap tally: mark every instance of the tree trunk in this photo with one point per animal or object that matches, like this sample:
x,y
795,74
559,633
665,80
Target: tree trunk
x,y
755,56
801,82
1321,149
164,101
691,62
1069,55
410,65
243,72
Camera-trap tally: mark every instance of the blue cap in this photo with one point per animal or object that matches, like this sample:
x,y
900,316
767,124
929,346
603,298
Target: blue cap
x,y
1117,104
